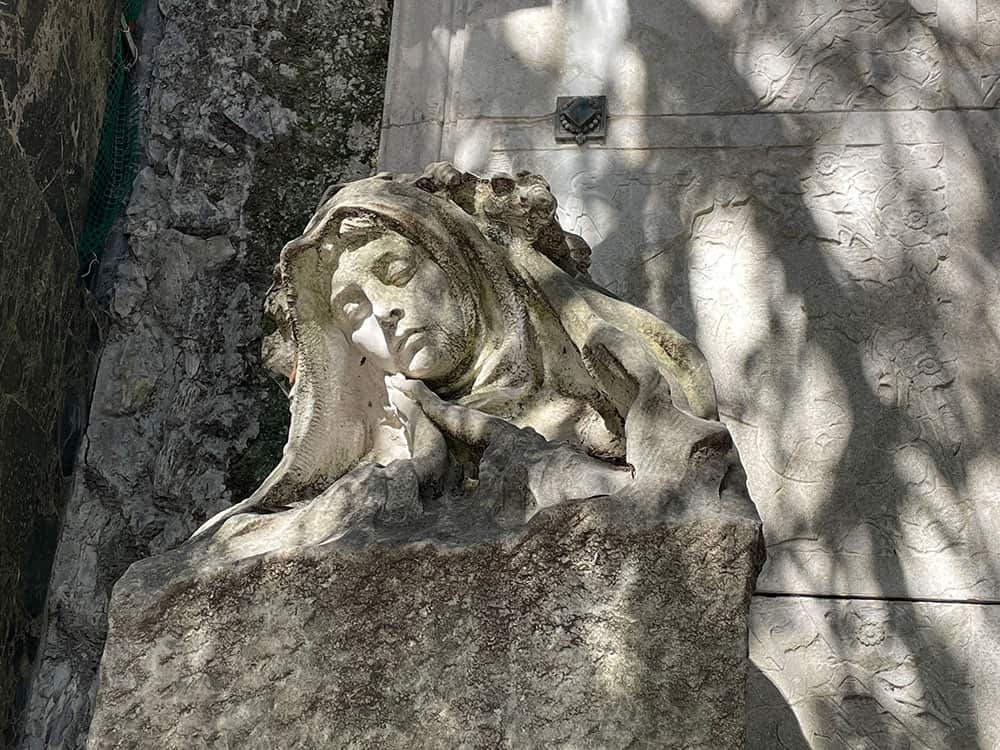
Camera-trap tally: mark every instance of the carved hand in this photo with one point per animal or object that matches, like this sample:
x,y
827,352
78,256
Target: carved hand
x,y
520,472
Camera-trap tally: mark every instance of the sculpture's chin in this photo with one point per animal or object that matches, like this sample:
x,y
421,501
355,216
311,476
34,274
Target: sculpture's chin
x,y
423,365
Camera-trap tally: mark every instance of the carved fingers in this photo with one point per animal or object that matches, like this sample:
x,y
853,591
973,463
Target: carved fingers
x,y
468,425
426,444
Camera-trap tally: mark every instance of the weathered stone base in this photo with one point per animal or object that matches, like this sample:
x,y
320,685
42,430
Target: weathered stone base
x,y
581,630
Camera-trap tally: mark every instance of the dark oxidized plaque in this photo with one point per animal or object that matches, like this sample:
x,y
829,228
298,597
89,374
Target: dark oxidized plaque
x,y
581,118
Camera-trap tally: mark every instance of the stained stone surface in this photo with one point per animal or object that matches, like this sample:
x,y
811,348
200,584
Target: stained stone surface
x,y
54,57
584,629
41,358
251,110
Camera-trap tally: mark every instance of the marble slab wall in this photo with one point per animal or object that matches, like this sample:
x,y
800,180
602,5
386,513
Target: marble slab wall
x,y
53,77
807,188
873,674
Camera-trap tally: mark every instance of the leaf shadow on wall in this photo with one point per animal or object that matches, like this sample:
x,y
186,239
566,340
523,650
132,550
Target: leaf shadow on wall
x,y
835,283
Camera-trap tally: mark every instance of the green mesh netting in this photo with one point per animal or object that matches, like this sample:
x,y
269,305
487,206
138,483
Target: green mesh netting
x,y
117,152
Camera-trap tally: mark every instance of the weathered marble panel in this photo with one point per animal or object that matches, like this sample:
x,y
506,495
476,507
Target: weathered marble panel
x,y
463,60
848,329
988,52
418,64
53,67
54,57
41,310
872,674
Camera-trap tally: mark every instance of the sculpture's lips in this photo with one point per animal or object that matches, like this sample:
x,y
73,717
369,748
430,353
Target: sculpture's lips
x,y
406,338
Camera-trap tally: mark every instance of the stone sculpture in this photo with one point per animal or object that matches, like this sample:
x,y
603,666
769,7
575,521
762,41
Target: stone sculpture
x,y
506,515
450,356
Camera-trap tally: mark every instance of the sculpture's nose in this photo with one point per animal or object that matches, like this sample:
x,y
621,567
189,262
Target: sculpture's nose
x,y
389,319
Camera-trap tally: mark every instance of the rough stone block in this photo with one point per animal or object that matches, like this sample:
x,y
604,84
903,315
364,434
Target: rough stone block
x,y
580,630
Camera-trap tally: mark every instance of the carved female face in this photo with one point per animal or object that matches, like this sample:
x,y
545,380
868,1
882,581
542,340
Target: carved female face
x,y
397,305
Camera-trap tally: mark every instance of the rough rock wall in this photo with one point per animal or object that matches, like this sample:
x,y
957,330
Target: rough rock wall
x,y
253,109
53,63
807,188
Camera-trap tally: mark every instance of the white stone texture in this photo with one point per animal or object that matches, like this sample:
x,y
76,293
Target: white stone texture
x,y
833,327
867,674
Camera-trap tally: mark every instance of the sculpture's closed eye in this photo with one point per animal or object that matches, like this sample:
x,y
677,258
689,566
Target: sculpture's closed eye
x,y
398,271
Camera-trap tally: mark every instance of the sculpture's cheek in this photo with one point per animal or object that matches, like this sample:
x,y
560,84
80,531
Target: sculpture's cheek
x,y
370,338
433,354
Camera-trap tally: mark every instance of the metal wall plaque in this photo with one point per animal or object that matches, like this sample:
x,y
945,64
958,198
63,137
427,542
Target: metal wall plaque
x,y
581,118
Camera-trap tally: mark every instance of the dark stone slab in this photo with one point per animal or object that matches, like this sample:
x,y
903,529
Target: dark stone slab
x,y
41,307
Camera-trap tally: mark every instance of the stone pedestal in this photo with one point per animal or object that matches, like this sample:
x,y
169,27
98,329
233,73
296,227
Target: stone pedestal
x,y
587,628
